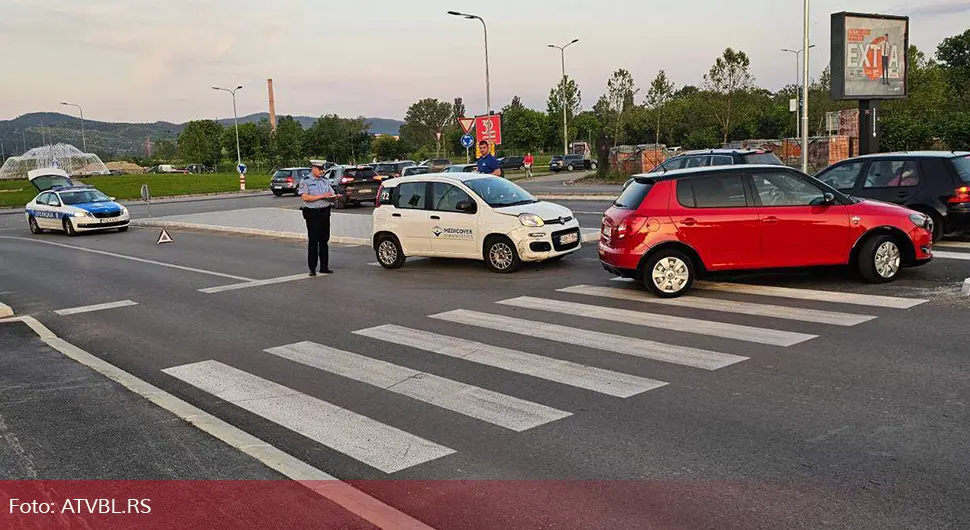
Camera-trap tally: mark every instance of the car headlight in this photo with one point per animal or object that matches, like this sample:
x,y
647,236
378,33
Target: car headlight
x,y
124,211
531,219
81,214
920,220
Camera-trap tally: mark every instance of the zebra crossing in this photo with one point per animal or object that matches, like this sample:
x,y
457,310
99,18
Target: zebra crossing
x,y
391,448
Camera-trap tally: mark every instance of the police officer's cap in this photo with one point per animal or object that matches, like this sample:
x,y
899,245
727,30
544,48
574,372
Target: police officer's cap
x,y
322,164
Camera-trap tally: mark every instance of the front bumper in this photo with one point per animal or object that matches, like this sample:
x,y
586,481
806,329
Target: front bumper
x,y
91,224
544,242
283,187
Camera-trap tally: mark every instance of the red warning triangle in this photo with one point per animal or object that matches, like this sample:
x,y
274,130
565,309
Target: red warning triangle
x,y
164,238
466,124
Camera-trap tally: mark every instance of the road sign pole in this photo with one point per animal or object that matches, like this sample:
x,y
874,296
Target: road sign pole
x,y
468,156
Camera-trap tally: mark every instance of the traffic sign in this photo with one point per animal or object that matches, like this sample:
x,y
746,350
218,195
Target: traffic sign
x,y
241,168
466,124
164,238
489,128
467,141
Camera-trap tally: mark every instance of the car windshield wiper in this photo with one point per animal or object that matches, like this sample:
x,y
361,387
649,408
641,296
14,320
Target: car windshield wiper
x,y
516,203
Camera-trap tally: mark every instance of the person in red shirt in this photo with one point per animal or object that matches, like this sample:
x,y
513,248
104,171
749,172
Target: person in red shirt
x,y
527,162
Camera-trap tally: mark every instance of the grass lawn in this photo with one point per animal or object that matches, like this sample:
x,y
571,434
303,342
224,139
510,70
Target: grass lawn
x,y
20,192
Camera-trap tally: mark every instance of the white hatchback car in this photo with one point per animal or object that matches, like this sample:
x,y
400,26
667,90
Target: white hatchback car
x,y
472,216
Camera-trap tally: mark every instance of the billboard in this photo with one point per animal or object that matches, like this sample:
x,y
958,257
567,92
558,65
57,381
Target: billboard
x,y
869,56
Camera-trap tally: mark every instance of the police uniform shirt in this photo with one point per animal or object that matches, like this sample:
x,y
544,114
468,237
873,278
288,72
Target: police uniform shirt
x,y
315,186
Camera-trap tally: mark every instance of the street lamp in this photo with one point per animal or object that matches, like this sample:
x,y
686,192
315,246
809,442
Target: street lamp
x,y
84,143
235,120
805,46
488,93
797,53
565,126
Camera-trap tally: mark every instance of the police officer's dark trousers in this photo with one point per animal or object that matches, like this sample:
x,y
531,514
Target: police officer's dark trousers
x,y
318,231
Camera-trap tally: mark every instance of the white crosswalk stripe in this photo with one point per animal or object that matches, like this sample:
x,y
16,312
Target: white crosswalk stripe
x,y
378,445
965,256
891,302
688,325
727,306
499,409
565,372
694,357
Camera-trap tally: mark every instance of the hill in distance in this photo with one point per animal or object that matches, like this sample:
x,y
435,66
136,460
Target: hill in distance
x,y
119,139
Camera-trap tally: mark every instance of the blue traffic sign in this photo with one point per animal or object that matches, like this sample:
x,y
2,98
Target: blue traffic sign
x,y
241,168
467,141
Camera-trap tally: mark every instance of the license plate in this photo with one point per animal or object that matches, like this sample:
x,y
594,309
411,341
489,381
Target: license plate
x,y
568,238
365,191
103,221
606,231
277,187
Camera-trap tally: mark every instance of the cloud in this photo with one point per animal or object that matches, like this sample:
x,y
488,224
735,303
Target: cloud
x,y
945,8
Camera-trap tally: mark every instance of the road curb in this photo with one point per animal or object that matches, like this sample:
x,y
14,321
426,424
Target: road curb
x,y
343,240
5,310
966,287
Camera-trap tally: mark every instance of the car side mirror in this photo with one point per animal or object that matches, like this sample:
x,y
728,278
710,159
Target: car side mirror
x,y
111,199
466,207
828,198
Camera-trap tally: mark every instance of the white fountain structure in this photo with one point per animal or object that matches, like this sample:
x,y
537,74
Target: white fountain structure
x,y
61,156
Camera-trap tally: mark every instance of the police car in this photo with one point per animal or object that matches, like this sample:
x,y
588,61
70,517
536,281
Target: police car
x,y
472,216
70,208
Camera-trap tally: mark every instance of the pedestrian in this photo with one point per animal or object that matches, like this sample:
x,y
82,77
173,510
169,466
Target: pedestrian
x,y
487,163
317,195
528,161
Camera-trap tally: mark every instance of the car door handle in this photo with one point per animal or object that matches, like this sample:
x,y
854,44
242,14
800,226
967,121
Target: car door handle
x,y
903,194
395,215
770,219
690,221
435,217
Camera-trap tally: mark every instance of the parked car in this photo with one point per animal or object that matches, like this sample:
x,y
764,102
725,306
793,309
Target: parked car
x,y
936,183
459,168
570,163
167,168
392,169
437,165
511,162
71,208
718,157
667,230
415,170
198,169
287,180
353,184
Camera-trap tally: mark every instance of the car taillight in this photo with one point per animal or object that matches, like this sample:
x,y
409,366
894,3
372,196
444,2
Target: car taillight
x,y
377,201
346,180
961,194
289,180
629,226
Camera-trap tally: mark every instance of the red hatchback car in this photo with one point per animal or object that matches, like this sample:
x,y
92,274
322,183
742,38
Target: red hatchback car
x,y
666,229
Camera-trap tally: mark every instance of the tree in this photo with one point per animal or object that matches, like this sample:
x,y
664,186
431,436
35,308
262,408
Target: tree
x,y
620,91
730,75
954,53
287,142
565,94
522,128
199,142
165,149
338,139
388,148
253,141
425,121
660,93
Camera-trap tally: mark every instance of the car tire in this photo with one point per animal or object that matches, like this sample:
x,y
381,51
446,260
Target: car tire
x,y
34,227
592,165
68,227
278,193
880,259
570,167
123,229
389,252
939,227
668,273
501,256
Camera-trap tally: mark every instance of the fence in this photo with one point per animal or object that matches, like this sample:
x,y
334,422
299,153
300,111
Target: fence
x,y
823,151
631,159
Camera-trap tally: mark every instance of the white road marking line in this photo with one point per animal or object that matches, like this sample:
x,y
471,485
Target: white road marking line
x,y
727,306
622,279
658,351
891,302
565,372
97,307
492,407
653,320
378,445
952,255
255,283
324,485
132,258
952,244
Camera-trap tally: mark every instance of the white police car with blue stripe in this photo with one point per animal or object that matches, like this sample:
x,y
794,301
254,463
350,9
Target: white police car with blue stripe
x,y
65,206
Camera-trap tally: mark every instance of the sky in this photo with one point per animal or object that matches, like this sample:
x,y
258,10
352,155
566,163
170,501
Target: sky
x,y
150,60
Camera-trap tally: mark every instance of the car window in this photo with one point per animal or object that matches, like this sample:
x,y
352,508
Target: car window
x,y
52,199
43,198
469,169
695,161
633,194
411,195
498,192
721,160
304,173
445,197
892,174
962,166
719,192
281,174
685,194
780,188
841,177
672,164
763,158
361,173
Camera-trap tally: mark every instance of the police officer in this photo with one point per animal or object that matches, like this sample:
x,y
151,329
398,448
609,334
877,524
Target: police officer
x,y
317,197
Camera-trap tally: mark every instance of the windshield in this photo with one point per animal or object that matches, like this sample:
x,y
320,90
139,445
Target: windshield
x,y
498,192
962,165
281,174
81,197
361,173
385,168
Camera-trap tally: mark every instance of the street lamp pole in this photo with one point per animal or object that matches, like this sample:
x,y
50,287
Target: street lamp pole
x,y
488,93
797,67
805,46
84,142
235,120
565,124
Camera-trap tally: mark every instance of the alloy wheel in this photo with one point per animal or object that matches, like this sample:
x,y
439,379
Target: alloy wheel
x,y
501,255
387,252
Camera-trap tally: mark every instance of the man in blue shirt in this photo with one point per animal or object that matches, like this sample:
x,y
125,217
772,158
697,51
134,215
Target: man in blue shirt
x,y
487,163
317,197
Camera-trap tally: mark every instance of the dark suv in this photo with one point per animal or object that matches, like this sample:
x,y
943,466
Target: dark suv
x,y
936,183
287,180
511,162
718,157
570,163
354,184
392,169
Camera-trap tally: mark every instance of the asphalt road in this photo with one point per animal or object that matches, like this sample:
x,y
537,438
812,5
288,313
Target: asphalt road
x,y
803,419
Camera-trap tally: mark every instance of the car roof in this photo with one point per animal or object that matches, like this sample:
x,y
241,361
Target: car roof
x,y
453,177
686,172
917,154
76,187
722,152
290,168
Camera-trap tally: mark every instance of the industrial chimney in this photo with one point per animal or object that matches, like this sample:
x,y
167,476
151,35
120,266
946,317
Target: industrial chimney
x,y
272,105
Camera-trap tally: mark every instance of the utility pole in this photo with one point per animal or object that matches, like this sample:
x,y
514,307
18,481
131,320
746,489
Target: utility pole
x,y
805,46
235,120
84,142
488,93
565,124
